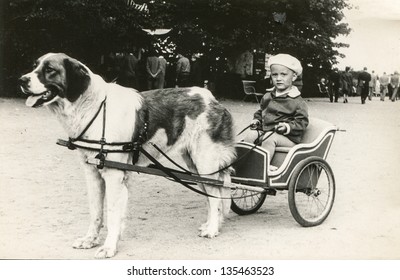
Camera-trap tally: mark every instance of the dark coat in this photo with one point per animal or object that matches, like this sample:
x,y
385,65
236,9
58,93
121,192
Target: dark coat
x,y
289,108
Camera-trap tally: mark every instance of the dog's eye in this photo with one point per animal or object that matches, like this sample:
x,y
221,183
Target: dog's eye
x,y
49,70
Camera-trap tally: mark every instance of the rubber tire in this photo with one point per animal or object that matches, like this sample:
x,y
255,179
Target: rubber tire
x,y
292,191
247,211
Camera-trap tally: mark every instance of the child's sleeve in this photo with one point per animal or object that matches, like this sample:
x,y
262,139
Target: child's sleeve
x,y
300,120
263,104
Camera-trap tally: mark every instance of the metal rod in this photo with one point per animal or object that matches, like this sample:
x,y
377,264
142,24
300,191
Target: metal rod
x,y
181,175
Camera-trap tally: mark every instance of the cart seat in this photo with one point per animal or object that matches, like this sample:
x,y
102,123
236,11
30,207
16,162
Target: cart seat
x,y
314,137
315,128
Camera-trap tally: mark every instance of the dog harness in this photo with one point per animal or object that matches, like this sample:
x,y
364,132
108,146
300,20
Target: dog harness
x,y
135,147
102,146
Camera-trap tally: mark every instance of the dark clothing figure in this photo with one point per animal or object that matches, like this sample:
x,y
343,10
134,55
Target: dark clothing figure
x,y
363,82
263,82
347,84
196,73
182,71
111,69
128,72
334,79
323,88
153,70
163,71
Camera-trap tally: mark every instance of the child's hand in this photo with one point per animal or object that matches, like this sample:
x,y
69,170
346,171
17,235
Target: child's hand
x,y
280,128
254,124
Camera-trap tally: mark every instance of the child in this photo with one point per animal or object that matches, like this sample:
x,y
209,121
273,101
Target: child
x,y
282,111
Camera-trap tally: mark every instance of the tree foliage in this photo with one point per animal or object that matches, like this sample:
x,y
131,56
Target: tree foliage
x,y
227,28
218,28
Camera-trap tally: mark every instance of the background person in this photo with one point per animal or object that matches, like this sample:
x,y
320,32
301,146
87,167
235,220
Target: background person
x,y
384,82
394,82
196,71
323,87
363,82
372,85
128,71
347,83
153,69
334,79
182,71
263,82
163,71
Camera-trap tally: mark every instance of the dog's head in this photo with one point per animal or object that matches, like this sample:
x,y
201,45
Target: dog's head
x,y
54,76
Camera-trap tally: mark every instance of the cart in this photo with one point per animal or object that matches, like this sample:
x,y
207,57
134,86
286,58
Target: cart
x,y
303,171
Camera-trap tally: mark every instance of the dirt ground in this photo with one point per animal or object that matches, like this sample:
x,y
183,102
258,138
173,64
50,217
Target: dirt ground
x,y
43,203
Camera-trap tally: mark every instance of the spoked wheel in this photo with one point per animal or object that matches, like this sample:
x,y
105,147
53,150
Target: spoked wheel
x,y
245,202
311,191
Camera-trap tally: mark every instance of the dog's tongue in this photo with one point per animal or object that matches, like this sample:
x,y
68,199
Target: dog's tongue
x,y
32,100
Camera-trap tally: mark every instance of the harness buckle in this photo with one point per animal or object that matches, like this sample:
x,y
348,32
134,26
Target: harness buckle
x,y
71,145
101,157
127,147
102,141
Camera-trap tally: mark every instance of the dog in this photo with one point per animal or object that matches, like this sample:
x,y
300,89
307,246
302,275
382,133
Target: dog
x,y
187,121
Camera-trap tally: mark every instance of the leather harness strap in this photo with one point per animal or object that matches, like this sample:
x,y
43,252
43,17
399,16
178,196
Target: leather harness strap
x,y
102,146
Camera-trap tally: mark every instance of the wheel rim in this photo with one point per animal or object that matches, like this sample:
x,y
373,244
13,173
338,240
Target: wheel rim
x,y
314,192
246,200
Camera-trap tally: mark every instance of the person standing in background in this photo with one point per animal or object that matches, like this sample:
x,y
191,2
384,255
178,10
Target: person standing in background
x,y
372,85
153,70
196,71
347,83
263,82
323,87
394,81
363,82
334,79
163,68
182,71
128,71
384,81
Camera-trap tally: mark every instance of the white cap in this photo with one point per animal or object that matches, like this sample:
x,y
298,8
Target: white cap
x,y
286,60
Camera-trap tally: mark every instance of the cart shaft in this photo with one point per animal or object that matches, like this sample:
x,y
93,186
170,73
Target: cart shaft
x,y
189,178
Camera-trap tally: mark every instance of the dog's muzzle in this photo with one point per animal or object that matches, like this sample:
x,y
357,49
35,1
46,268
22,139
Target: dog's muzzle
x,y
35,99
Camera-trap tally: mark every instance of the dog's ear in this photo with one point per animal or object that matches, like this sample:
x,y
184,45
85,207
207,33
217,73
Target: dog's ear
x,y
77,79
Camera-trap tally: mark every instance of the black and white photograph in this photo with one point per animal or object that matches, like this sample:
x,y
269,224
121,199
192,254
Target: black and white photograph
x,y
205,130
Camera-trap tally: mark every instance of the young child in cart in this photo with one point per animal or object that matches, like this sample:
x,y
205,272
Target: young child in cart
x,y
282,110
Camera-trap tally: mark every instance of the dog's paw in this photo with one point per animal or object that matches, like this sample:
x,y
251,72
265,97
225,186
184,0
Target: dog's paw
x,y
105,252
209,233
86,242
203,227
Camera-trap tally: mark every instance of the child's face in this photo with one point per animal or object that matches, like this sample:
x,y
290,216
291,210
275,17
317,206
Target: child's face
x,y
282,77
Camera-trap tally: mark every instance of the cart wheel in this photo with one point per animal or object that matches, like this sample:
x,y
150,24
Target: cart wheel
x,y
245,202
311,191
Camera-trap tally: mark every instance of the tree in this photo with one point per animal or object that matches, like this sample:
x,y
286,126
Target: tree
x,y
303,28
217,28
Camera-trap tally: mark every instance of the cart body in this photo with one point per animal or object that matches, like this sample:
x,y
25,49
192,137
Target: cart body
x,y
302,170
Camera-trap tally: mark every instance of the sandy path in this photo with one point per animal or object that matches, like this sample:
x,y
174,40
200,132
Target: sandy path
x,y
43,204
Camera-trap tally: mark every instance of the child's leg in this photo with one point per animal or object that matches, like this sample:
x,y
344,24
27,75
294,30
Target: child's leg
x,y
250,136
276,140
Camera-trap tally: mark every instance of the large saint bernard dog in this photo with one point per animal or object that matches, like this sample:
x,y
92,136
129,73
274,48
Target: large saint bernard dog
x,y
187,120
